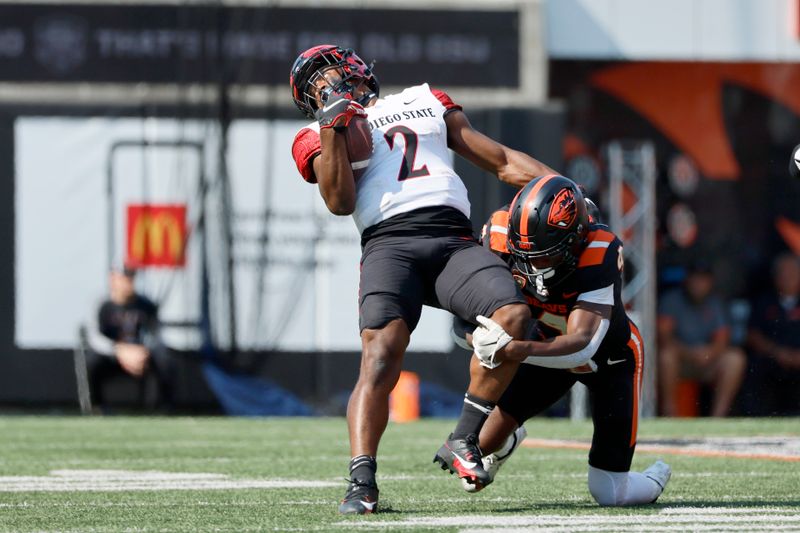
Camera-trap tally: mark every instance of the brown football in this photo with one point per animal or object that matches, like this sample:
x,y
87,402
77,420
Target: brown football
x,y
359,145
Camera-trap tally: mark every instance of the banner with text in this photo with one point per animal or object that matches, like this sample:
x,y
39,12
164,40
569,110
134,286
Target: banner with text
x,y
252,45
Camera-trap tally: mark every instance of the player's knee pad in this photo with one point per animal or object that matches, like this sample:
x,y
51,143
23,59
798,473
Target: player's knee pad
x,y
607,488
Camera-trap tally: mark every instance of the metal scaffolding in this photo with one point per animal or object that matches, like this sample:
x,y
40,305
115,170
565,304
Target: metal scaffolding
x,y
631,203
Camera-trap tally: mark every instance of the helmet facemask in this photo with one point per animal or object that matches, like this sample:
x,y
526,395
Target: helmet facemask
x,y
351,73
545,269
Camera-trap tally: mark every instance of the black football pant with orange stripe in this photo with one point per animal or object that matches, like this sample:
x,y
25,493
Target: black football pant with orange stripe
x,y
613,393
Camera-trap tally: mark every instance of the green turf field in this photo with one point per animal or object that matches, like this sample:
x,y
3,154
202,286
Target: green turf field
x,y
237,475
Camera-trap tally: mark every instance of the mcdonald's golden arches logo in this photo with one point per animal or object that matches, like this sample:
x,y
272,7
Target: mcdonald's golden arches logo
x,y
156,235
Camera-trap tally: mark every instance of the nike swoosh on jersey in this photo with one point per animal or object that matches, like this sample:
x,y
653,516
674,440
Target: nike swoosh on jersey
x,y
410,101
610,362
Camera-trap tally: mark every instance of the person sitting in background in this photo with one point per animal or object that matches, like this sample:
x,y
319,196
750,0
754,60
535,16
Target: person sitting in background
x,y
774,336
124,339
694,343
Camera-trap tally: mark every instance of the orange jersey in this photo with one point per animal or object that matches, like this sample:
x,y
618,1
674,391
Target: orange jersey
x,y
596,279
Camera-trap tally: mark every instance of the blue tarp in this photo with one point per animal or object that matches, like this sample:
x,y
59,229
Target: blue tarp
x,y
244,395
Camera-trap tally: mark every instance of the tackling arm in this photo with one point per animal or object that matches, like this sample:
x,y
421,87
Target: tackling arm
x,y
586,327
510,166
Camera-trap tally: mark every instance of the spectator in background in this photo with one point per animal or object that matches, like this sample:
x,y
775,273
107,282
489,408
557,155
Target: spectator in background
x,y
124,339
694,343
774,337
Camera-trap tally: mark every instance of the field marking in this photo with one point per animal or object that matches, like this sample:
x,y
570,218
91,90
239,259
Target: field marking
x,y
130,504
726,510
627,527
659,449
128,480
668,519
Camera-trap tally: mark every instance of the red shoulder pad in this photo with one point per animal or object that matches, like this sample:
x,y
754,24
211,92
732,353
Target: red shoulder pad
x,y
445,100
305,148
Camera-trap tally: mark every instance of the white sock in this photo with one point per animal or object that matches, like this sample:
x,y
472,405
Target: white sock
x,y
509,443
621,488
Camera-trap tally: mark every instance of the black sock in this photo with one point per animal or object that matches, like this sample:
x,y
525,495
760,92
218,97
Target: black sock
x,y
363,468
473,415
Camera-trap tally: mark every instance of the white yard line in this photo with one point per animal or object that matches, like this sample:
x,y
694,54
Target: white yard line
x,y
677,519
627,527
126,480
728,510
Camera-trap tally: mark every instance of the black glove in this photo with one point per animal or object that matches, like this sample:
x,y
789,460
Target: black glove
x,y
337,112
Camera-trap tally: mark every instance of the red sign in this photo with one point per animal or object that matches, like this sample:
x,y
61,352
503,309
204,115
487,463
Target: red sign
x,y
156,235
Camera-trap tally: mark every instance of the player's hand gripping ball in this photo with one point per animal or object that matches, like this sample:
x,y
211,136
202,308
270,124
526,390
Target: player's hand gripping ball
x,y
794,164
345,115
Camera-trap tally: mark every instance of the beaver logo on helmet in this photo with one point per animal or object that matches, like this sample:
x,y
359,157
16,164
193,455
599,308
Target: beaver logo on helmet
x,y
563,210
548,223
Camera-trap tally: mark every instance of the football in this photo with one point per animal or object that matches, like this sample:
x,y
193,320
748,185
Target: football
x,y
359,145
794,163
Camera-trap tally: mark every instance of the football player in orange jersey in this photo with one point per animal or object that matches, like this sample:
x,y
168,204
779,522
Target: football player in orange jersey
x,y
570,270
417,241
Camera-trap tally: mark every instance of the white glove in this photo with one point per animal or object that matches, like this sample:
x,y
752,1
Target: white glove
x,y
487,339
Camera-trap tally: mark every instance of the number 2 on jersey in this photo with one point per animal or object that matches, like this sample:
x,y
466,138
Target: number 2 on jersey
x,y
407,169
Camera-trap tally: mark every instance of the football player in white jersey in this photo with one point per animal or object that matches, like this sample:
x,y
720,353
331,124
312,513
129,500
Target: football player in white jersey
x,y
418,245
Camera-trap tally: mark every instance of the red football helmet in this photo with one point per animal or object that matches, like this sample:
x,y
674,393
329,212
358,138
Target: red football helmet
x,y
548,223
313,63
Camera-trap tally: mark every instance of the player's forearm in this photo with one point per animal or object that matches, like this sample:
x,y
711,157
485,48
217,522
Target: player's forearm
x,y
557,346
334,174
520,168
510,166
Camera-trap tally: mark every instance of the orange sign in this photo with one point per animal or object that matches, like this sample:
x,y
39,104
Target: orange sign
x,y
156,235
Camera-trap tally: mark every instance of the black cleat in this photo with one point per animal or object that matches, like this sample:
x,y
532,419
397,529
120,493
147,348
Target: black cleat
x,y
463,457
361,498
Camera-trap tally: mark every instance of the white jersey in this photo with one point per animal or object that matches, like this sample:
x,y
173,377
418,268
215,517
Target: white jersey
x,y
411,166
